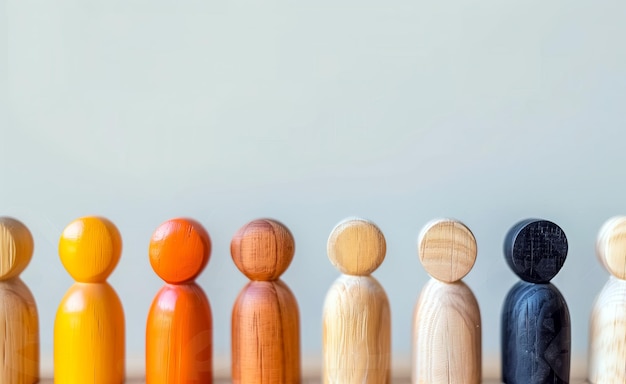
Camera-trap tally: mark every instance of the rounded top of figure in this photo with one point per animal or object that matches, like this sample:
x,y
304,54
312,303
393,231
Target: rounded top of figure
x,y
16,247
90,248
535,250
611,246
356,247
179,250
447,249
262,249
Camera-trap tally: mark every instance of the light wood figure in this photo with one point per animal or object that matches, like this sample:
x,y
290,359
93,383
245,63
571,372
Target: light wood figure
x,y
19,341
446,322
179,327
356,317
607,338
265,319
89,333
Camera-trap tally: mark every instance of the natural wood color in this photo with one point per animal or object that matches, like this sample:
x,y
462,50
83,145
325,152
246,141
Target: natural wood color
x,y
611,246
266,335
89,330
356,247
446,335
447,249
179,336
19,351
89,336
179,250
356,337
90,248
179,328
262,249
19,354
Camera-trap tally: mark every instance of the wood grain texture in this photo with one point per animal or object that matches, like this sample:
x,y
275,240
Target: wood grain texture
x,y
446,335
356,337
535,250
180,324
356,247
89,330
263,249
607,335
19,342
447,249
266,335
611,246
536,335
19,354
89,336
179,336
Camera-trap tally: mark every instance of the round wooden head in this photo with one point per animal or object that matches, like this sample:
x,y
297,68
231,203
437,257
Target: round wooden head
x,y
179,250
356,247
447,249
535,250
611,246
262,249
16,247
90,248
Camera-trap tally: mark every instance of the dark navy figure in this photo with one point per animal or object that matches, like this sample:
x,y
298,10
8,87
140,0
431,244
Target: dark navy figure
x,y
536,327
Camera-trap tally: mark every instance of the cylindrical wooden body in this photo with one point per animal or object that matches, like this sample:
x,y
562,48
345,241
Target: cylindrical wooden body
x,y
446,335
607,335
265,335
19,355
89,336
179,337
356,332
536,334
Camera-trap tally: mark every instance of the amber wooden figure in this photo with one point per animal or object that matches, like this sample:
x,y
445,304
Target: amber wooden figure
x,y
19,340
179,328
446,325
356,318
89,330
607,338
265,319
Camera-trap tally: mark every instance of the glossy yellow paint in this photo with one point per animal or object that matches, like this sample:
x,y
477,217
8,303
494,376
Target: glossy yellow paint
x,y
89,336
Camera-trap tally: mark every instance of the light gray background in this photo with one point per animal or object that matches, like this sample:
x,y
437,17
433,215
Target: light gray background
x,y
397,111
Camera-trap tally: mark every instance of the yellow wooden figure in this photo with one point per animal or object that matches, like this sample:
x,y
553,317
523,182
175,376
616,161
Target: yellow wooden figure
x,y
89,325
19,343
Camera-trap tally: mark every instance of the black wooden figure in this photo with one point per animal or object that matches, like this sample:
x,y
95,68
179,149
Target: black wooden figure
x,y
535,319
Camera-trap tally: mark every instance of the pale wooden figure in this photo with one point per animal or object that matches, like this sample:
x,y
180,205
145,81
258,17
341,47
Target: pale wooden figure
x,y
446,324
19,352
265,318
89,332
356,317
607,336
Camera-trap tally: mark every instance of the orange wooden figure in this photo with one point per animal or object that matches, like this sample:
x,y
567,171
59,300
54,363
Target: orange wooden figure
x,y
265,319
19,352
179,332
89,334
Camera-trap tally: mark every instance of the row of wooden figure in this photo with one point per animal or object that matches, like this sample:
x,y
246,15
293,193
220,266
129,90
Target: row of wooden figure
x,y
89,327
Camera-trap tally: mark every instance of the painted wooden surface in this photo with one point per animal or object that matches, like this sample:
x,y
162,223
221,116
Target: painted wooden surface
x,y
19,340
89,330
265,318
447,325
607,328
536,329
179,326
356,340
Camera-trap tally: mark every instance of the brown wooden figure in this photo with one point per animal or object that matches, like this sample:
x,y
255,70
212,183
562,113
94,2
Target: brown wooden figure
x,y
356,319
19,341
179,327
265,319
446,323
89,332
607,338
